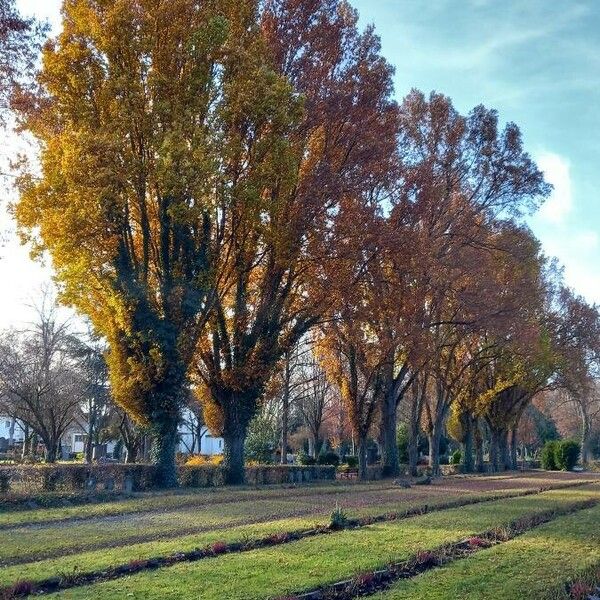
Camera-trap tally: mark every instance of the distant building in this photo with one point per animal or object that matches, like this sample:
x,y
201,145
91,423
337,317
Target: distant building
x,y
74,439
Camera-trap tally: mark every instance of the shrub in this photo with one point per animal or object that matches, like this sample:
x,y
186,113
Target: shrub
x,y
456,457
351,461
566,454
200,460
4,481
261,441
338,519
304,459
547,456
402,443
328,458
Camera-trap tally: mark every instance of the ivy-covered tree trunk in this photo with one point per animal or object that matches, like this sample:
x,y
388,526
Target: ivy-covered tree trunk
x,y
234,439
164,446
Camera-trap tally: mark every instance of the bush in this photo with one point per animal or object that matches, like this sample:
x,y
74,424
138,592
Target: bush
x,y
200,460
138,477
566,454
402,443
338,519
261,441
304,459
547,456
351,461
456,457
328,458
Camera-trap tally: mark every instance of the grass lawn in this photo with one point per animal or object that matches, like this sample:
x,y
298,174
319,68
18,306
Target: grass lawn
x,y
324,559
215,512
535,565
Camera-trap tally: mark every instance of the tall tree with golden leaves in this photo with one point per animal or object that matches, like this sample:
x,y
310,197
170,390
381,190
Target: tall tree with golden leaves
x,y
157,122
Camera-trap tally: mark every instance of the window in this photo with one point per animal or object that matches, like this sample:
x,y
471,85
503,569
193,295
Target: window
x,y
78,438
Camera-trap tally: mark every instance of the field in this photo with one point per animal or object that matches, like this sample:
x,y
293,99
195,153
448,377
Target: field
x,y
528,535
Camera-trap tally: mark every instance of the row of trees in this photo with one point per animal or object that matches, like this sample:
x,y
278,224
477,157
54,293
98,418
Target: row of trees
x,y
219,182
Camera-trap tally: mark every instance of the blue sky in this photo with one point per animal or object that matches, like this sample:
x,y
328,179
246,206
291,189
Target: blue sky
x,y
536,61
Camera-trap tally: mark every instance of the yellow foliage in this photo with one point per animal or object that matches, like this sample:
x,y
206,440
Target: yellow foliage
x,y
200,460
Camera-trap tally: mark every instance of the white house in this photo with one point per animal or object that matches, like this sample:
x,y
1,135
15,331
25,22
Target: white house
x,y
189,434
10,432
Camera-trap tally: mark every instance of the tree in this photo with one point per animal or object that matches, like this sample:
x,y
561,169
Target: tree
x,y
20,40
42,384
96,408
280,238
160,135
314,402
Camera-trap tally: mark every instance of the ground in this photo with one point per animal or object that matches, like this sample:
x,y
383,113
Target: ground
x,y
525,535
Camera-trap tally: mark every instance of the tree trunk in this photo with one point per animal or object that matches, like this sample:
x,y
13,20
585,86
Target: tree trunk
x,y
389,446
479,463
467,446
131,452
284,427
164,444
11,432
311,446
52,447
199,427
233,456
504,454
89,449
26,441
585,436
362,457
414,426
494,452
434,438
513,448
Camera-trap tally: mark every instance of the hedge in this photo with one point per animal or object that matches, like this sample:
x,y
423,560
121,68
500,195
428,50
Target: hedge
x,y
27,479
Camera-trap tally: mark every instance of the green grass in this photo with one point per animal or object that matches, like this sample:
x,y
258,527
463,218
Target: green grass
x,y
155,501
535,565
34,541
150,501
47,539
324,559
106,557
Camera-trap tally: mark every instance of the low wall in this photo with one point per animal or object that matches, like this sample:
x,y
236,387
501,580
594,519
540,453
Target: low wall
x,y
28,479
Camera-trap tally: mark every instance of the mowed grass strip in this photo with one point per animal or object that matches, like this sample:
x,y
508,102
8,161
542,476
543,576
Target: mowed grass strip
x,y
152,501
161,501
535,565
322,560
28,544
43,540
104,558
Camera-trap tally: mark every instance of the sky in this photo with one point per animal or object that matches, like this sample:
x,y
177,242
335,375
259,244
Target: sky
x,y
536,61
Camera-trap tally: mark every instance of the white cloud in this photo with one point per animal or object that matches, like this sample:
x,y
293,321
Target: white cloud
x,y
557,171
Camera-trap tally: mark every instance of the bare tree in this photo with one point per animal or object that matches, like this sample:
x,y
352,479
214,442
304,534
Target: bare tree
x,y
41,381
315,401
